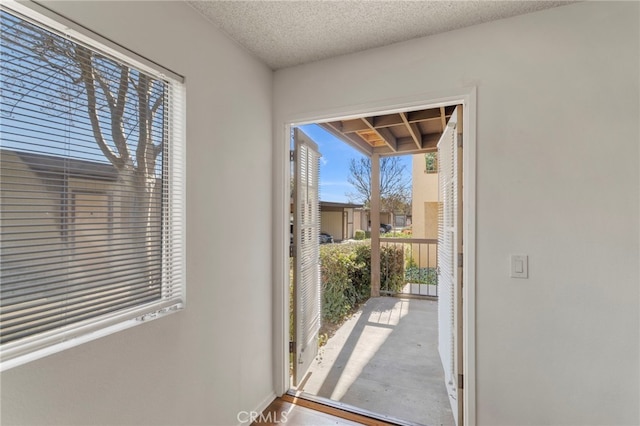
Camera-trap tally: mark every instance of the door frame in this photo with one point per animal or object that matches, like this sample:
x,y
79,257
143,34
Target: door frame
x,y
280,261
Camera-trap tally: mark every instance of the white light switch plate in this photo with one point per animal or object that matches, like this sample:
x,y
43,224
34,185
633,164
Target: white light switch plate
x,y
519,266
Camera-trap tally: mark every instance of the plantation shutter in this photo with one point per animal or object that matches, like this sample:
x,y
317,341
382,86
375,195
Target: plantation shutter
x,y
448,254
307,260
91,190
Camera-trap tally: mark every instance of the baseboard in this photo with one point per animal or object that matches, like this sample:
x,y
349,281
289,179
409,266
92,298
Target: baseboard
x,y
260,408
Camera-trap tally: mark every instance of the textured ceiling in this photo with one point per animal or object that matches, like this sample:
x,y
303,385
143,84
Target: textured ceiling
x,y
286,33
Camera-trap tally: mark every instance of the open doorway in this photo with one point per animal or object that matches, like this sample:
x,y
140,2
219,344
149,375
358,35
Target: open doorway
x,y
424,132
464,97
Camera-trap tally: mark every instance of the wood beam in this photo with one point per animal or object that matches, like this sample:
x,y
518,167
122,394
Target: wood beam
x,y
352,126
383,133
414,130
425,114
387,120
408,146
375,225
354,140
443,118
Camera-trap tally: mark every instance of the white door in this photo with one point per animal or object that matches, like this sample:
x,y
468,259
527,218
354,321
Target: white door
x,y
306,230
449,262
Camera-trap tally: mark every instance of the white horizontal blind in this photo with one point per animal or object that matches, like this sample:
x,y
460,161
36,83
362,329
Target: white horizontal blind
x,y
91,189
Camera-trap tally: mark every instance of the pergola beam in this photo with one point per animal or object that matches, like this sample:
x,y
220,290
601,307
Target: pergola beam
x,y
353,140
387,121
408,146
423,115
443,118
414,130
353,126
384,134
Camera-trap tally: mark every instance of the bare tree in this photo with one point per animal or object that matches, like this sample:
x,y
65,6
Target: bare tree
x,y
125,108
395,186
122,103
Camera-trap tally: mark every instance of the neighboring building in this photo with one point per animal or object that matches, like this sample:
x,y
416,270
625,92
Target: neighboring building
x,y
425,197
361,219
340,220
77,208
425,201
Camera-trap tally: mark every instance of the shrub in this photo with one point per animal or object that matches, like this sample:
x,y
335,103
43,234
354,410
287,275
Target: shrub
x,y
359,234
416,275
345,271
344,280
392,268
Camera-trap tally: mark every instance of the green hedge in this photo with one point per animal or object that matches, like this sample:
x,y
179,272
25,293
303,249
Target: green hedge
x,y
345,281
392,268
346,276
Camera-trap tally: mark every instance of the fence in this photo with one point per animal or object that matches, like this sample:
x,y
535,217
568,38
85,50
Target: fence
x,y
409,266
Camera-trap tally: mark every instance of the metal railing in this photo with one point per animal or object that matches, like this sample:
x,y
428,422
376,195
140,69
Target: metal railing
x,y
409,266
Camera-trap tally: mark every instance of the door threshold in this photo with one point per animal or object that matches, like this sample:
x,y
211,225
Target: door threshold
x,y
340,409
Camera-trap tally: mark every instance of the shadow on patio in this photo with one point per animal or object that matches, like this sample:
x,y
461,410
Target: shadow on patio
x,y
385,360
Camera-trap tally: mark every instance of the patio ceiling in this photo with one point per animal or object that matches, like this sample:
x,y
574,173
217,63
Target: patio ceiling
x,y
411,132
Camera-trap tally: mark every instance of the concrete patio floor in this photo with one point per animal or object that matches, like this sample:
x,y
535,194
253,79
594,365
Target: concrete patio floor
x,y
384,359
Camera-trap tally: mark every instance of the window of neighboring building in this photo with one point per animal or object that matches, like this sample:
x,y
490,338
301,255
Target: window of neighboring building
x,y
91,187
431,162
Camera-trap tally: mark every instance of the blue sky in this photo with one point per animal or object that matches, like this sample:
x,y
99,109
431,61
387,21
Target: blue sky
x,y
334,164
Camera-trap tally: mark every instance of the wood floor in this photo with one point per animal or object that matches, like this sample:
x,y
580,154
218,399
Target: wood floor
x,y
294,411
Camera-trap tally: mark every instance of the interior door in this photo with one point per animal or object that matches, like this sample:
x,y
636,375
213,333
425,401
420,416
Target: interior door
x,y
450,261
306,275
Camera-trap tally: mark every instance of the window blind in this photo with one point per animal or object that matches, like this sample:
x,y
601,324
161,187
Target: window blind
x,y
91,189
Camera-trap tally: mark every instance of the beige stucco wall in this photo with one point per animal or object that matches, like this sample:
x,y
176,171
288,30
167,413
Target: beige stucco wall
x,y
359,220
16,178
331,223
425,198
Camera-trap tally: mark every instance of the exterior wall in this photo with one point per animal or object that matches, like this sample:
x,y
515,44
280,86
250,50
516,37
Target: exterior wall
x,y
205,364
14,174
90,203
424,208
424,190
331,223
349,219
386,217
546,146
360,220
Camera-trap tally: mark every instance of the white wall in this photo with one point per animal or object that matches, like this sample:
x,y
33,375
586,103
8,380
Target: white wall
x,y
205,364
557,179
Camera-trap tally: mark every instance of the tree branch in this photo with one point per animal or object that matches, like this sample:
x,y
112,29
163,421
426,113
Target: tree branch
x,y
117,111
86,74
144,150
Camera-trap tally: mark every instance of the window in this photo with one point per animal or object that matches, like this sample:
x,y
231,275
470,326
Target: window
x,y
431,162
91,187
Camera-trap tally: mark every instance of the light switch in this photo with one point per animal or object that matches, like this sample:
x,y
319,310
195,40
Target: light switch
x,y
519,266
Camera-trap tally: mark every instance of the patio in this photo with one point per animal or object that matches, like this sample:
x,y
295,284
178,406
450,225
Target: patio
x,y
384,359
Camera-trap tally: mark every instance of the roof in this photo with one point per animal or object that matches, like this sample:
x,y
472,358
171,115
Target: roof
x,y
339,205
64,165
